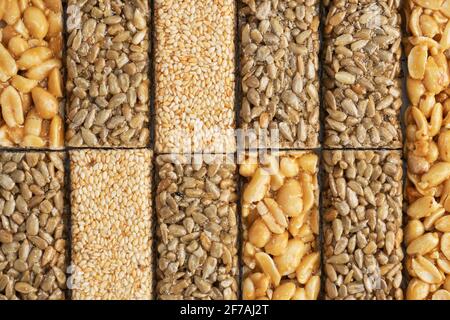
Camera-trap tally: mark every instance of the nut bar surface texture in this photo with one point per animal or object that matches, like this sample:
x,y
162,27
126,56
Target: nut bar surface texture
x,y
427,233
107,73
361,83
111,224
196,228
279,73
33,221
280,218
362,220
31,85
195,86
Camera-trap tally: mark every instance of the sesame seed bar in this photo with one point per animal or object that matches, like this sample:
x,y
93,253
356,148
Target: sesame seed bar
x,y
195,63
111,224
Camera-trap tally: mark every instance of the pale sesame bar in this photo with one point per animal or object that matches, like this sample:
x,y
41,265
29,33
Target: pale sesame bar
x,y
194,67
111,224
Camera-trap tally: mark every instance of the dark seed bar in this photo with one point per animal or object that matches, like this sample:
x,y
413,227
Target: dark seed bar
x,y
363,225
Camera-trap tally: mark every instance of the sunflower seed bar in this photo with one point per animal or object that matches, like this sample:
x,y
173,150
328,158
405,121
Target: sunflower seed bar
x,y
363,225
111,224
107,73
197,228
279,73
33,221
361,85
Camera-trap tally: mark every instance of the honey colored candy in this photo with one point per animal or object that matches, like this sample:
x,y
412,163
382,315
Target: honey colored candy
x,y
281,227
427,150
30,72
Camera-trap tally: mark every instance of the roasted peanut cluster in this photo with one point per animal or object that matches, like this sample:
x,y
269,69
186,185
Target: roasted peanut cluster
x,y
427,234
30,73
281,225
